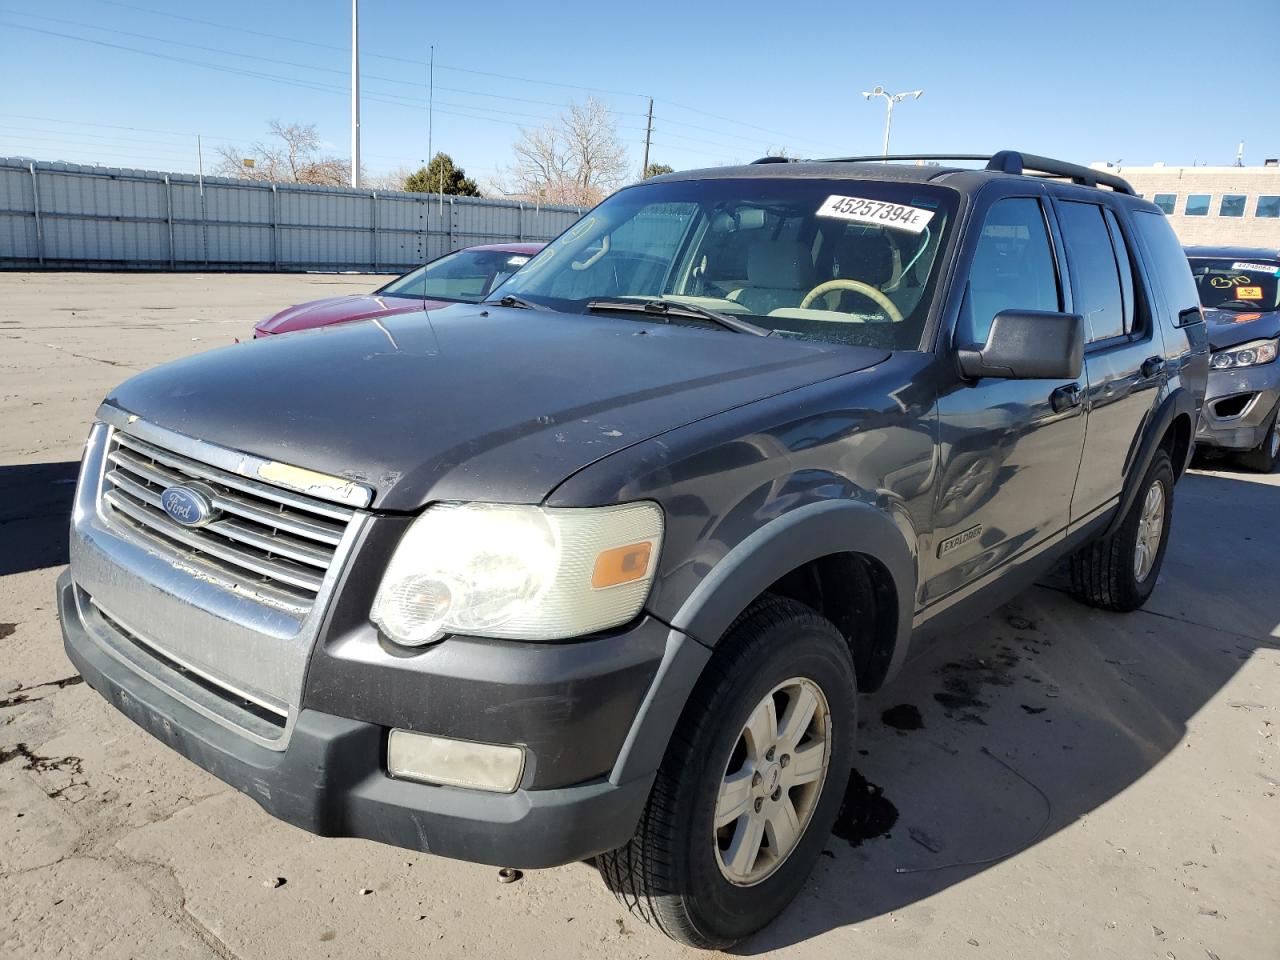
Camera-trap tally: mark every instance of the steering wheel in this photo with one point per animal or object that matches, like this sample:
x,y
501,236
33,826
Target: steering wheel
x,y
858,287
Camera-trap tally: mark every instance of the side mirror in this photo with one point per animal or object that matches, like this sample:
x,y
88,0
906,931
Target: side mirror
x,y
1029,345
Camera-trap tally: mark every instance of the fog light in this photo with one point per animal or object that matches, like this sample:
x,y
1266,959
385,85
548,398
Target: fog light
x,y
454,763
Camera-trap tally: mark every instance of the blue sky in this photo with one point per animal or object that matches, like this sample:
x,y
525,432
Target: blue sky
x,y
1131,81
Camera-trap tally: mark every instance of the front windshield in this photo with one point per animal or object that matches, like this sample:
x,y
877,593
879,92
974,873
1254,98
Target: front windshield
x,y
467,276
1242,285
836,260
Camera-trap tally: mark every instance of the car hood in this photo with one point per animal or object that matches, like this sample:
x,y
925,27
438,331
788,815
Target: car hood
x,y
321,313
469,404
1227,328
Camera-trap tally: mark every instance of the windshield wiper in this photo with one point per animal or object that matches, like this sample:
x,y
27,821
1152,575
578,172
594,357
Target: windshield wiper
x,y
666,309
511,300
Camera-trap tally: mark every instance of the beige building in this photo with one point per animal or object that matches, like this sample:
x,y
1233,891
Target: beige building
x,y
1222,206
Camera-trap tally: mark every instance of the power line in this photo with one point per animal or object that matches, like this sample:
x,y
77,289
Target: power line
x,y
379,56
111,126
315,85
276,61
484,73
461,110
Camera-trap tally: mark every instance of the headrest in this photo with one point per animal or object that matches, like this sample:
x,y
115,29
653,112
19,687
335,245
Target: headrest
x,y
780,265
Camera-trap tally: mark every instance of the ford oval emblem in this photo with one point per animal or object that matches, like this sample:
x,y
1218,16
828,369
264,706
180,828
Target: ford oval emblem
x,y
187,505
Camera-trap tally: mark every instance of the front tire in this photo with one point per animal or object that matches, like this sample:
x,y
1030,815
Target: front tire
x,y
1119,571
751,783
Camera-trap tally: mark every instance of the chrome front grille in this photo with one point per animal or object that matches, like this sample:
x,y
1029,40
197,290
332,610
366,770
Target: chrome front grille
x,y
272,543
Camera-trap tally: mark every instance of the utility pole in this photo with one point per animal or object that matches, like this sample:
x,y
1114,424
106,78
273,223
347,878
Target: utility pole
x,y
648,135
355,93
890,99
200,162
431,101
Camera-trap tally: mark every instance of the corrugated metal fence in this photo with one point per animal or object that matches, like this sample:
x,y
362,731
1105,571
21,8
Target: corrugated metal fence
x,y
67,216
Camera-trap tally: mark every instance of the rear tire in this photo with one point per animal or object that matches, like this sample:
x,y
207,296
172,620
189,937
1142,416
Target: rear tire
x,y
703,885
1119,571
1263,457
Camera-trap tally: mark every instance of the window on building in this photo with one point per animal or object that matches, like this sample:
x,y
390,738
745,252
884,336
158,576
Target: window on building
x,y
1198,205
1268,208
1232,205
1166,201
1095,275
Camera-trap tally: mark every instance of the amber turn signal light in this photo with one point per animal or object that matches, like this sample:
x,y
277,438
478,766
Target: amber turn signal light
x,y
622,565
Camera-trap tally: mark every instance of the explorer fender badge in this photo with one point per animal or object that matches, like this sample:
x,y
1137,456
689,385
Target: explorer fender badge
x,y
951,544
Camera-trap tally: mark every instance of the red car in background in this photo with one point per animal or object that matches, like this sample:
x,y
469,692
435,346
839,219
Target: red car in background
x,y
464,276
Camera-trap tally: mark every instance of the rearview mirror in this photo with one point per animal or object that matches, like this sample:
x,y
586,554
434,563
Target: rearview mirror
x,y
1029,345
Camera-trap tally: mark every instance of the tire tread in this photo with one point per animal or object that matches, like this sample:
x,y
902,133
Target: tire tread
x,y
642,872
1102,571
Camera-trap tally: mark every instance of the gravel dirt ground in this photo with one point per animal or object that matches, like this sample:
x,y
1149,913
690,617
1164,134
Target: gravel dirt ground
x,y
1057,782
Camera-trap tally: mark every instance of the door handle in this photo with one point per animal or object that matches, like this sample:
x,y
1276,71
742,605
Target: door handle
x,y
1066,397
1152,366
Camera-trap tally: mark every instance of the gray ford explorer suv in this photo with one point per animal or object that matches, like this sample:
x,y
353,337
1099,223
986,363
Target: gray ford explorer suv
x,y
599,568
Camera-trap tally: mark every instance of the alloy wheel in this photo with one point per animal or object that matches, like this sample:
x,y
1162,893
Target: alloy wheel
x,y
772,781
1150,532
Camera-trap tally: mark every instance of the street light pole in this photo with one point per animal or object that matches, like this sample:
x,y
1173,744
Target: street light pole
x,y
355,93
890,99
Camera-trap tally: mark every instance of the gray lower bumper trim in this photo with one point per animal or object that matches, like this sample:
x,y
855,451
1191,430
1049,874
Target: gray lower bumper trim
x,y
331,780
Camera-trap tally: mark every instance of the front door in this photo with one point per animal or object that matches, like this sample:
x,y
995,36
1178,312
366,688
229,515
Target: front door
x,y
1008,458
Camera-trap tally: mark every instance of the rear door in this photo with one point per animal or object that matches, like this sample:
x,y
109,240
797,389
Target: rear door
x,y
1124,364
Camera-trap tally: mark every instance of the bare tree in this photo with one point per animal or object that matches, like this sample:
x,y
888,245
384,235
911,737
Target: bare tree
x,y
391,180
293,157
578,159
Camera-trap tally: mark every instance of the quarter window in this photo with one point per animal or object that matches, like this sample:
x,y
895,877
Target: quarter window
x,y
1232,205
1198,205
1166,201
1173,287
1012,269
1095,275
1268,208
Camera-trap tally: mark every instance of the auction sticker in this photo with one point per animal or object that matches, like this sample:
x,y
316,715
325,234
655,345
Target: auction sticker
x,y
1248,293
1256,267
898,215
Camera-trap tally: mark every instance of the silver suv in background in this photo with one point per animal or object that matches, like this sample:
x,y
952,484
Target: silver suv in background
x,y
1240,292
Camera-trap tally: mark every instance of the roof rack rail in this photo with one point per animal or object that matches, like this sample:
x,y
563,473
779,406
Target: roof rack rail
x,y
878,158
772,160
1012,161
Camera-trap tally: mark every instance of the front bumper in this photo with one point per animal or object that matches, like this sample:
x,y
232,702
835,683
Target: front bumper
x,y
331,778
1244,428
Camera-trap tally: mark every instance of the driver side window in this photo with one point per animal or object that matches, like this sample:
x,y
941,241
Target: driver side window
x,y
1013,269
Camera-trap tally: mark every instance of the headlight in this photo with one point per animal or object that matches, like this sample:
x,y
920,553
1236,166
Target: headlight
x,y
518,572
1246,355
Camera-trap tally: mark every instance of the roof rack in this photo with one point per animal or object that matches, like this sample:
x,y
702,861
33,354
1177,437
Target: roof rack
x,y
1006,161
772,160
1010,161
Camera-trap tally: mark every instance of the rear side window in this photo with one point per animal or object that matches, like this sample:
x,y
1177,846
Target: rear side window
x,y
1012,268
1125,264
1176,290
1095,275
